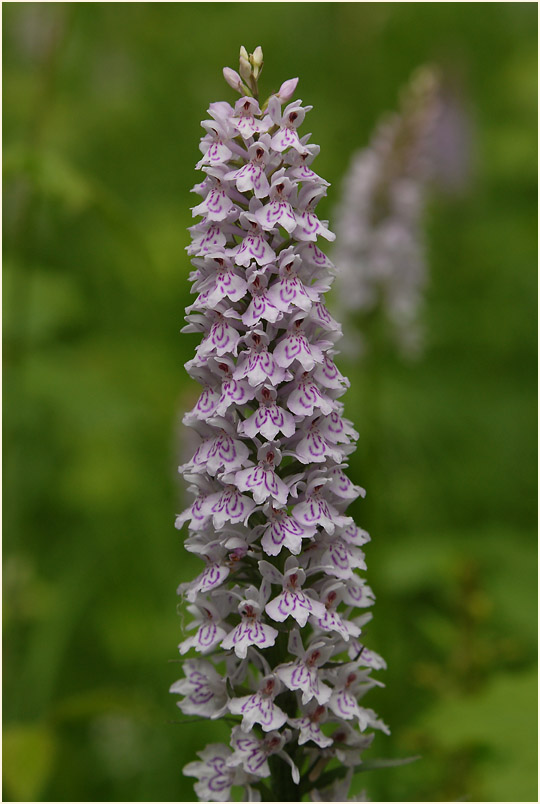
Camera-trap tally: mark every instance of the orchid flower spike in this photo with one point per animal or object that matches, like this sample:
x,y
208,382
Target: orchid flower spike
x,y
275,645
380,245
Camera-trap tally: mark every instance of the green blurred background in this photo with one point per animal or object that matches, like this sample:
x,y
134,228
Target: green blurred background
x,y
102,104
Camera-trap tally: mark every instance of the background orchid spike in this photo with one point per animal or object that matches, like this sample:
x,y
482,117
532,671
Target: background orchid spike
x,y
380,245
277,641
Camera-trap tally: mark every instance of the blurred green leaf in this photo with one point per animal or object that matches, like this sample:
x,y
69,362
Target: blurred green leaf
x,y
55,302
52,175
502,720
28,753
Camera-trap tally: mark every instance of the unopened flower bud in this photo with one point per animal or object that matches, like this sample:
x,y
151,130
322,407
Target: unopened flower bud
x,y
287,89
234,80
257,61
245,64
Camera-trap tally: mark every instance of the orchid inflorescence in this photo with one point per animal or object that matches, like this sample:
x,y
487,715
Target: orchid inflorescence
x,y
277,637
380,245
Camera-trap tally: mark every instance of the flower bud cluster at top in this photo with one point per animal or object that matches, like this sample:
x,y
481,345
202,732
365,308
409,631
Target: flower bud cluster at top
x,y
380,244
277,640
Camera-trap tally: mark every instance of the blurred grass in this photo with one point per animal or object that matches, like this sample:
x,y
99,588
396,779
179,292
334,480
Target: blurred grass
x,y
102,106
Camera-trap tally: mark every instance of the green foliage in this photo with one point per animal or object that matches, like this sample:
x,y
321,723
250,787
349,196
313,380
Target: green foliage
x,y
102,104
28,755
499,722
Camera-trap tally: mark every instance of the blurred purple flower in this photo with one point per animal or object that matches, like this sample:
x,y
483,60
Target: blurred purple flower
x,y
380,247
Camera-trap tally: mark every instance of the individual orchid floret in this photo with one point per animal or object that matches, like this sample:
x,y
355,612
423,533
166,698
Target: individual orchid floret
x,y
309,226
217,206
209,631
232,390
277,608
331,594
348,744
367,658
260,306
305,397
216,777
254,246
341,559
251,630
197,514
210,579
316,509
278,211
252,175
283,530
213,147
329,376
309,725
288,291
222,338
260,707
227,282
231,506
304,673
357,592
287,136
299,166
246,118
204,690
269,419
252,754
293,601
222,452
295,348
313,447
257,364
348,684
345,489
262,480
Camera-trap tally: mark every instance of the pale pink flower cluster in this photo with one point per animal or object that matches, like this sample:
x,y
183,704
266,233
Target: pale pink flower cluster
x,y
380,247
277,632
